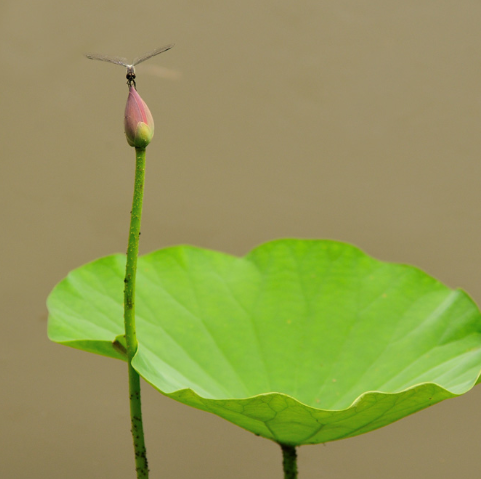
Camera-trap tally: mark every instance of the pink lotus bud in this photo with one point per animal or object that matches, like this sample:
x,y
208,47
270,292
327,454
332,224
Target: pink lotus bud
x,y
138,121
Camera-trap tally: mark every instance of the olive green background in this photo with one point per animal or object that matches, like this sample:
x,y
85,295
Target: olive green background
x,y
356,121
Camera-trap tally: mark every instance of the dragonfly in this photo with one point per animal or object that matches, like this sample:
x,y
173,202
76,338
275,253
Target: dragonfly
x,y
123,61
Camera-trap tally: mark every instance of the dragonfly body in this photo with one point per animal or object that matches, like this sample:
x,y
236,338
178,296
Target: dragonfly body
x,y
131,76
123,61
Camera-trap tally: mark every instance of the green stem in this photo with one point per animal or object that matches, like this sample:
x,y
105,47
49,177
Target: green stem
x,y
129,317
289,461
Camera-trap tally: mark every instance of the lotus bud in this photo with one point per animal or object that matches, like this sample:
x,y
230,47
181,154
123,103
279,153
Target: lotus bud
x,y
138,121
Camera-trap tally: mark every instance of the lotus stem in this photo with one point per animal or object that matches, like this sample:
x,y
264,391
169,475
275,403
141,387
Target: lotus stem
x,y
289,461
129,317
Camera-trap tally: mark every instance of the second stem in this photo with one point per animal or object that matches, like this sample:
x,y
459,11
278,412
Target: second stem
x,y
129,317
289,461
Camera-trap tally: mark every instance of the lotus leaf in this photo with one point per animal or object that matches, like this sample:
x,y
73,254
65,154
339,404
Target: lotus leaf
x,y
300,341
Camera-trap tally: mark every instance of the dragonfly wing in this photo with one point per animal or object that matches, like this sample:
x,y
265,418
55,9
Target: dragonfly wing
x,y
152,54
108,58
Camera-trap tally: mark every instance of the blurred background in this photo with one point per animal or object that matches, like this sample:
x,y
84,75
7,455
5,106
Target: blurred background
x,y
348,120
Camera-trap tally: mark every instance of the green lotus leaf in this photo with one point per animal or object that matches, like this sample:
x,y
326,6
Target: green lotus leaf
x,y
301,341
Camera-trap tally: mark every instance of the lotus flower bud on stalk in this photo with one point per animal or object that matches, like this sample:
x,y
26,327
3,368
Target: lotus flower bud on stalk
x,y
138,121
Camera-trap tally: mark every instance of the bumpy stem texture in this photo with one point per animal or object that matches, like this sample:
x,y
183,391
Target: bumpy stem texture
x,y
289,461
129,317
